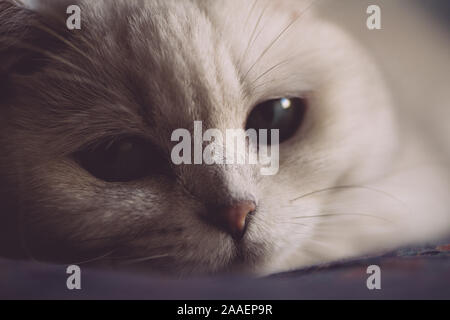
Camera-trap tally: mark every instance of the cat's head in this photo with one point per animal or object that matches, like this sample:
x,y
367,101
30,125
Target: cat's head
x,y
87,117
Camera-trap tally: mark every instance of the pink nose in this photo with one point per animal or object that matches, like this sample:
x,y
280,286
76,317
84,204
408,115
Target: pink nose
x,y
233,218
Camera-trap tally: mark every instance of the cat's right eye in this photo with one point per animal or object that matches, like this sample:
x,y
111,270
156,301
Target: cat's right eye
x,y
284,114
123,160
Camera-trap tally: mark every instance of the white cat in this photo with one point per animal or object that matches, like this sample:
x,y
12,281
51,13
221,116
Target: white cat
x,y
87,116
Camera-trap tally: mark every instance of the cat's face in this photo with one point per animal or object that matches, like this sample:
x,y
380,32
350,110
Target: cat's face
x,y
143,69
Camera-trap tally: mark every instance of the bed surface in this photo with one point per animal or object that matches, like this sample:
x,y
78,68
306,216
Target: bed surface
x,y
421,272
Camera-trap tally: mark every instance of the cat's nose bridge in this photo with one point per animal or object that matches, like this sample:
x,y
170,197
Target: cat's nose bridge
x,y
222,184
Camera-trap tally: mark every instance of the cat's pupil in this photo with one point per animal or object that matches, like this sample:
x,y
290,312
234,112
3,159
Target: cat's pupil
x,y
124,160
285,114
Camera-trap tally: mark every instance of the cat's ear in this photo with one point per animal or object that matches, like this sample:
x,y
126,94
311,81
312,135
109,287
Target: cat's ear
x,y
27,35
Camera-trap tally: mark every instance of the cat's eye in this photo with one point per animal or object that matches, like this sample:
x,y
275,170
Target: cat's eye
x,y
285,114
123,160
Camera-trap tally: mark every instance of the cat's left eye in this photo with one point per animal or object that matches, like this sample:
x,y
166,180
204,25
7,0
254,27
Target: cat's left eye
x,y
284,114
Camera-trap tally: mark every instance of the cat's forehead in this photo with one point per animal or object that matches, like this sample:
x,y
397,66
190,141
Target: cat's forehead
x,y
180,66
188,59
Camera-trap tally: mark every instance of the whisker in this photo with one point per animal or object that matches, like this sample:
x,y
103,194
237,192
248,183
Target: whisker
x,y
95,259
45,53
280,79
277,38
343,214
59,37
125,238
144,259
346,187
270,46
291,222
252,39
251,12
106,238
269,70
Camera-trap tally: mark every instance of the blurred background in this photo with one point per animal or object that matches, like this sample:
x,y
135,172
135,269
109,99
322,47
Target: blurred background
x,y
413,50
